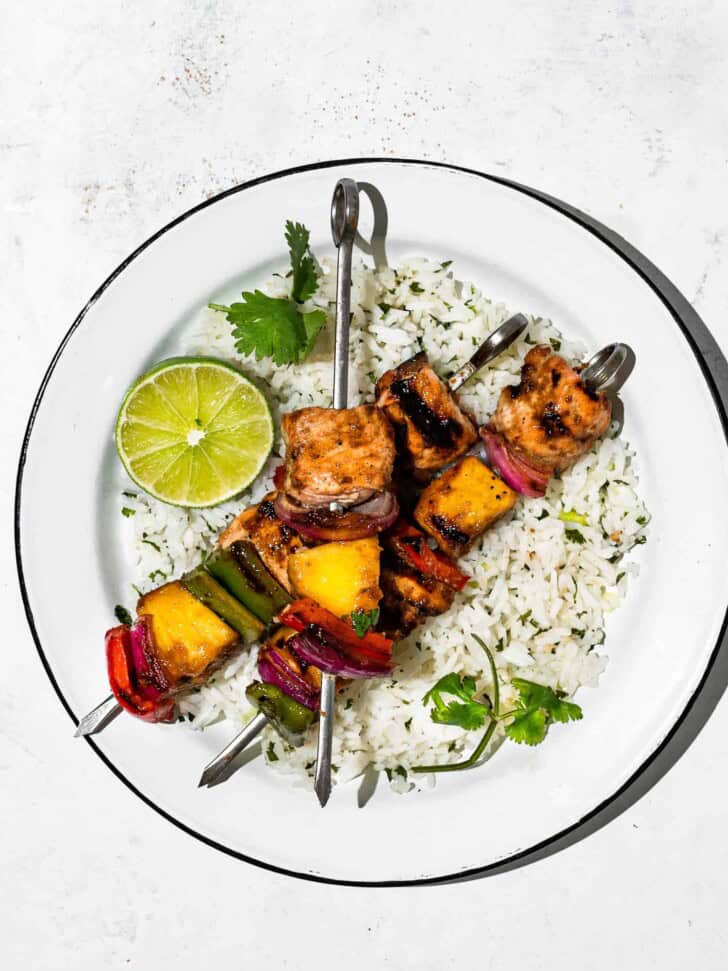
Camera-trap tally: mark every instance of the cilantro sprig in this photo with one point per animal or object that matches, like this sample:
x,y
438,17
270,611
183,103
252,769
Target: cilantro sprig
x,y
362,620
536,708
276,327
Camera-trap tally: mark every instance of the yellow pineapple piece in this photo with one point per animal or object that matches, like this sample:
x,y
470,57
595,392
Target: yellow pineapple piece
x,y
462,503
188,636
343,577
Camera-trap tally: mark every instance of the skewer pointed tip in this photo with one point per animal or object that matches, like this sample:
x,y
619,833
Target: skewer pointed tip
x,y
99,718
322,792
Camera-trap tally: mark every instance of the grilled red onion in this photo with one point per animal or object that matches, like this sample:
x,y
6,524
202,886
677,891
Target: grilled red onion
x,y
273,669
320,649
149,678
517,473
356,522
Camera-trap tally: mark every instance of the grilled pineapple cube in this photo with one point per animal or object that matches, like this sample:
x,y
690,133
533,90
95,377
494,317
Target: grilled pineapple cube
x,y
343,577
466,499
188,636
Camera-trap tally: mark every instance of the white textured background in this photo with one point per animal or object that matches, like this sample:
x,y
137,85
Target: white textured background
x,y
115,117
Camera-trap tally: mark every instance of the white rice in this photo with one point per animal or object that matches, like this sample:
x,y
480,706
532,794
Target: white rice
x,y
538,595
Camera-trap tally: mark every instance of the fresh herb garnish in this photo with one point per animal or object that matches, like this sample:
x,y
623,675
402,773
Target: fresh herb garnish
x,y
123,615
362,620
271,753
276,327
126,511
416,287
574,535
305,280
537,707
466,712
555,344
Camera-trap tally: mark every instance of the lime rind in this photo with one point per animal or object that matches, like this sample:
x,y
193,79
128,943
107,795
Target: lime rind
x,y
182,397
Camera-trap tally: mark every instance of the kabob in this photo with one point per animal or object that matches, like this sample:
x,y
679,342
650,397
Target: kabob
x,y
560,414
244,588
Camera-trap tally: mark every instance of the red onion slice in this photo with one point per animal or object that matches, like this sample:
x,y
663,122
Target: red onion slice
x,y
357,522
273,669
515,472
149,678
324,652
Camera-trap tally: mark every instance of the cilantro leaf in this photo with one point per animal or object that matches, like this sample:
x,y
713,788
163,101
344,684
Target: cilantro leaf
x,y
312,324
575,536
302,263
466,713
267,327
362,620
538,706
275,327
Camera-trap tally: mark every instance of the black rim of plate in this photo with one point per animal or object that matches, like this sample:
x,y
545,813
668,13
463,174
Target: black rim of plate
x,y
715,371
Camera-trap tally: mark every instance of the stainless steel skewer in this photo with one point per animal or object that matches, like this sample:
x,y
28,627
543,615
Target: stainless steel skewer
x,y
215,768
344,221
494,344
99,717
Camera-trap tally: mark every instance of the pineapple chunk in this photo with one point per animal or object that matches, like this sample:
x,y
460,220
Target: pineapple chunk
x,y
342,577
456,508
188,636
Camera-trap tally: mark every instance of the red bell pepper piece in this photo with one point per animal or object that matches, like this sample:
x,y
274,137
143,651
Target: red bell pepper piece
x,y
123,683
307,614
411,545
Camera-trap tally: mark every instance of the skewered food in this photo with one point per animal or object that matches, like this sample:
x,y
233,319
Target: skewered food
x,y
432,429
242,572
341,576
273,539
461,504
340,457
409,598
543,424
343,456
410,545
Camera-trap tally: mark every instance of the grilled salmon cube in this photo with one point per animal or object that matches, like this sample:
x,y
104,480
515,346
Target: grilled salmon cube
x,y
190,640
466,499
432,428
272,538
410,598
337,455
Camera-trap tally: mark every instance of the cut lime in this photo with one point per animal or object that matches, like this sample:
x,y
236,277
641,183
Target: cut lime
x,y
193,431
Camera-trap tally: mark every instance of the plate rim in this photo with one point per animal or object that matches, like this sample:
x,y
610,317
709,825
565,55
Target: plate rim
x,y
713,366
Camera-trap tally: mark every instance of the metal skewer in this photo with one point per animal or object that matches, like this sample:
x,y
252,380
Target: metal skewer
x,y
99,717
494,344
344,218
215,768
344,221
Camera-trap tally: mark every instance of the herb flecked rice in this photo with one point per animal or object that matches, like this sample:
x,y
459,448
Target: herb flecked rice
x,y
542,579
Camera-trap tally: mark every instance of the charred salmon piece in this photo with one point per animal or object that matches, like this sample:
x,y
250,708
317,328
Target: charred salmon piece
x,y
461,504
432,429
337,455
272,538
550,418
408,599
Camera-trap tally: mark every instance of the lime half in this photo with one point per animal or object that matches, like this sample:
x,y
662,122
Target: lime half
x,y
193,431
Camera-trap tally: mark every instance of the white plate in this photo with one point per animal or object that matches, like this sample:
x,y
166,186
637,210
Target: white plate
x,y
537,256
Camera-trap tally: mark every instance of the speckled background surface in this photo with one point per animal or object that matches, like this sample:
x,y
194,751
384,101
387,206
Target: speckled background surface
x,y
116,117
